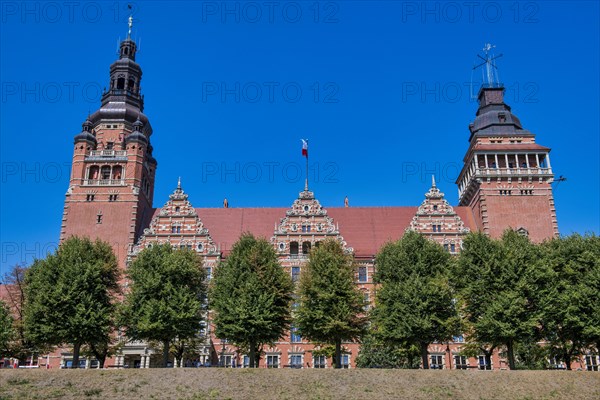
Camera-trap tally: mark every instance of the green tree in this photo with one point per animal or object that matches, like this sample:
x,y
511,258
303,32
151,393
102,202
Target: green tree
x,y
69,295
414,305
166,296
14,289
331,307
7,330
570,299
499,282
376,354
251,296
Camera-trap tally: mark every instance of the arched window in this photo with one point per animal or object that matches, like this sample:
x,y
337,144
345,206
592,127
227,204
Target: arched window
x,y
130,84
117,172
294,249
305,247
93,172
105,172
121,83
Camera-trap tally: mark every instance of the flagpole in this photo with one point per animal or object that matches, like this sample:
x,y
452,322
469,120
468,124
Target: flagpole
x,y
306,184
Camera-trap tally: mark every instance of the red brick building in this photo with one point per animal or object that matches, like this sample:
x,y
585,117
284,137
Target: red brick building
x,y
505,182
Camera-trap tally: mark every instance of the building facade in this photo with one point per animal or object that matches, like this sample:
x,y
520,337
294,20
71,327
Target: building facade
x,y
505,183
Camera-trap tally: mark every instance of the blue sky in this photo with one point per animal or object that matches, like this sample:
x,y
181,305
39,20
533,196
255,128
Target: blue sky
x,y
380,88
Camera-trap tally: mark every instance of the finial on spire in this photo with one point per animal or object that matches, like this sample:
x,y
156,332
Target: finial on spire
x,y
179,183
432,180
130,21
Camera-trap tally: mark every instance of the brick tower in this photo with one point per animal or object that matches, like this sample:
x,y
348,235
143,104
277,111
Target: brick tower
x,y
112,176
506,178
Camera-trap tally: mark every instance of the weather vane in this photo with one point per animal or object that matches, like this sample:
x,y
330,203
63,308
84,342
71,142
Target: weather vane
x,y
491,71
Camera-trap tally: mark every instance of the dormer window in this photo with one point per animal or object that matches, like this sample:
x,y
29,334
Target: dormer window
x,y
177,209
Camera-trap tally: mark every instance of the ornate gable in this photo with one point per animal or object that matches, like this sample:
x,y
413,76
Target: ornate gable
x,y
178,223
437,220
304,226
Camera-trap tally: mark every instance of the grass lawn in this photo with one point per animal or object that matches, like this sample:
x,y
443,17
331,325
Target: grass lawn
x,y
213,383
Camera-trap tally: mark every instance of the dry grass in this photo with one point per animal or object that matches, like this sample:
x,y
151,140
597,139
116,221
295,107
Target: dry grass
x,y
197,384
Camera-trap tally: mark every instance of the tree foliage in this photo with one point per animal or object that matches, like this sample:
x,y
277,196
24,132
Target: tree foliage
x,y
166,296
7,330
331,307
69,295
414,305
570,299
499,282
251,296
376,354
14,290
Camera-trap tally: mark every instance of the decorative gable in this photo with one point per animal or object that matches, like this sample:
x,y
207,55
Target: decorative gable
x,y
304,226
436,219
178,223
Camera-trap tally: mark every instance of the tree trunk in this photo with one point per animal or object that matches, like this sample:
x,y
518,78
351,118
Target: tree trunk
x,y
252,356
425,355
76,348
338,354
165,353
100,356
567,359
511,355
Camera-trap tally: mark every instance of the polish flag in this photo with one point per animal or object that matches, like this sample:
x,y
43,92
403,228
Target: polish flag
x,y
304,148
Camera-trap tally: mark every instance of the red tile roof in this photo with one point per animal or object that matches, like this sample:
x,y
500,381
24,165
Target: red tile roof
x,y
365,229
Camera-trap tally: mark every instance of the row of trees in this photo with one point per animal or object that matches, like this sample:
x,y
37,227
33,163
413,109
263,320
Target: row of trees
x,y
74,297
502,294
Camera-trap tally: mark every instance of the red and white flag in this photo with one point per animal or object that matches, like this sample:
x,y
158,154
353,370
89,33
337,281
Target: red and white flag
x,y
304,147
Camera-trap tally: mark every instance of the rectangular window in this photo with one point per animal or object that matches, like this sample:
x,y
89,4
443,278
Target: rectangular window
x,y
319,361
227,361
437,361
434,228
109,145
296,361
99,219
345,361
295,274
460,362
362,274
446,247
591,363
246,362
273,361
90,197
458,339
452,248
209,273
176,229
294,335
484,363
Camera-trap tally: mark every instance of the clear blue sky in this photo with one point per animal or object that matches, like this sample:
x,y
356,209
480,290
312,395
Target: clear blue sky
x,y
384,99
